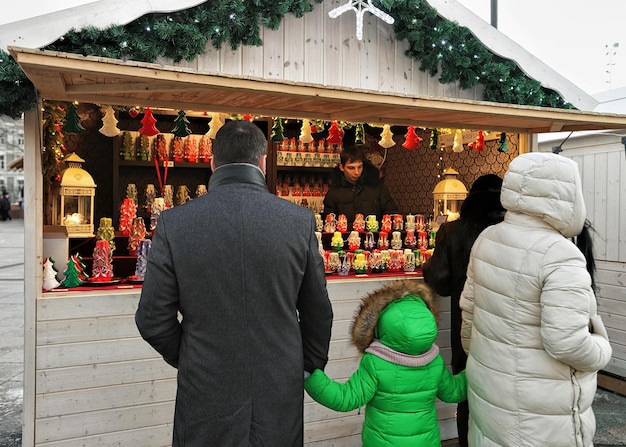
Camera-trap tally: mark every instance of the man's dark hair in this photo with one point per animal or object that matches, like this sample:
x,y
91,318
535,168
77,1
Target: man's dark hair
x,y
238,142
350,154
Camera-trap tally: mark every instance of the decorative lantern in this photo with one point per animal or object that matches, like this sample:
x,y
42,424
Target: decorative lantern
x,y
73,205
449,195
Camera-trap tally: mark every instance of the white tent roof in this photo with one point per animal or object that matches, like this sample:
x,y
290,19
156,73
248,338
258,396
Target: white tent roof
x,y
46,25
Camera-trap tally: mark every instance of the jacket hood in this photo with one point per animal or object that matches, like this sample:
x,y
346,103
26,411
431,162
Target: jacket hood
x,y
482,208
546,186
401,315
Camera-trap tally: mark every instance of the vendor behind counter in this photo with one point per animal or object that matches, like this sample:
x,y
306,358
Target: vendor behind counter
x,y
355,187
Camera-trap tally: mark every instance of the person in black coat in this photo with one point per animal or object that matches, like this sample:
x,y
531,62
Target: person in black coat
x,y
355,188
242,269
446,270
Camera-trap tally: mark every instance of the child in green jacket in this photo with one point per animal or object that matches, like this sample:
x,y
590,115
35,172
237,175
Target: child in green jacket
x,y
401,372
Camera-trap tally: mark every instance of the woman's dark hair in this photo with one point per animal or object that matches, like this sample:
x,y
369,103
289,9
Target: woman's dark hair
x,y
584,243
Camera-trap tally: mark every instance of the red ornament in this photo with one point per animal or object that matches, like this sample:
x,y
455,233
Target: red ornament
x,y
148,129
133,113
247,117
480,141
335,134
412,140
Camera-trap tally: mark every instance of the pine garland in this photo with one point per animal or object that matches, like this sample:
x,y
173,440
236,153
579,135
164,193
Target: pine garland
x,y
441,46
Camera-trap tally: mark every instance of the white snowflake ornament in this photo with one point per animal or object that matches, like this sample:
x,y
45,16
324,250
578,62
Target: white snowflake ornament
x,y
360,7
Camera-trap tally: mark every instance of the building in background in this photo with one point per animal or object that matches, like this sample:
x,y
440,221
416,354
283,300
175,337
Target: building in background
x,y
11,158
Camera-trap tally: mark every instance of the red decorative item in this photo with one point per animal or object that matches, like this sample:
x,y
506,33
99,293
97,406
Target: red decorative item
x,y
480,141
102,262
412,140
137,233
190,149
177,148
247,117
128,211
205,149
335,134
160,148
133,113
148,129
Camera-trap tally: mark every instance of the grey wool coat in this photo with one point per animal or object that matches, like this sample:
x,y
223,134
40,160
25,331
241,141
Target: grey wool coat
x,y
242,268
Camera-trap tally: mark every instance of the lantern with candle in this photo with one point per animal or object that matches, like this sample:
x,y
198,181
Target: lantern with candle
x,y
73,199
449,194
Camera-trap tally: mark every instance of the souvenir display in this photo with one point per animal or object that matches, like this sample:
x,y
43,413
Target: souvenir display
x,y
50,280
354,241
396,240
336,242
142,259
137,233
359,222
102,270
201,190
128,211
342,223
371,224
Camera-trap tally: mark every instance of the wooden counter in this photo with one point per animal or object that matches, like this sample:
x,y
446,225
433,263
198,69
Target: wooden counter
x,y
99,383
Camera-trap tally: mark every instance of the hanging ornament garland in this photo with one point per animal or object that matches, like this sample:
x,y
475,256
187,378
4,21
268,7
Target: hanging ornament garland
x,y
109,123
386,137
359,135
335,134
53,149
412,139
457,145
480,141
503,145
305,132
181,125
148,129
434,140
215,124
72,121
277,130
360,7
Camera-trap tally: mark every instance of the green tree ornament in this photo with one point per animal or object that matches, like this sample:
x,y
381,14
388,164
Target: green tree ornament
x,y
181,125
503,145
72,121
277,130
359,135
434,140
73,274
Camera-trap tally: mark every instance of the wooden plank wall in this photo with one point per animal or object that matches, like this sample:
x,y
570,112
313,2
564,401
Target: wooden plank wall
x,y
316,49
601,160
98,383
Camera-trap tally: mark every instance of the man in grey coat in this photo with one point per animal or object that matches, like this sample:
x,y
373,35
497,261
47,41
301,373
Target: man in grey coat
x,y
242,269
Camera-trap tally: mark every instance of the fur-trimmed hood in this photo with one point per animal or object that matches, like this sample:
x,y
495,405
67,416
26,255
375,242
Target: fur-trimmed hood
x,y
367,316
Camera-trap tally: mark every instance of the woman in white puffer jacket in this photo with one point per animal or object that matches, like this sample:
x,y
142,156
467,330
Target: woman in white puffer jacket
x,y
530,325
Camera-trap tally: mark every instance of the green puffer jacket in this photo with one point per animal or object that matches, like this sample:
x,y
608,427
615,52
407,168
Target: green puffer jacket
x,y
401,371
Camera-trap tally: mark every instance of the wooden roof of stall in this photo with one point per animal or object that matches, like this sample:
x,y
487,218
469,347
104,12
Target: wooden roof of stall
x,y
71,77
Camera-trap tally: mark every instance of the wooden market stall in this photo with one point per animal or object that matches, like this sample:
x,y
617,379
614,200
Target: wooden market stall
x,y
89,379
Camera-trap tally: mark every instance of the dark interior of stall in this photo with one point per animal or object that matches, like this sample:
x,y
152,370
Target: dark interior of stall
x,y
410,175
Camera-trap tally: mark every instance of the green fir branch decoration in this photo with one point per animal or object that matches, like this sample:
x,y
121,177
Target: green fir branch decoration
x,y
441,47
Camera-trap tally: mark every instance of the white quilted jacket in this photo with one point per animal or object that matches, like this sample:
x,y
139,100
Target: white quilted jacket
x,y
527,311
